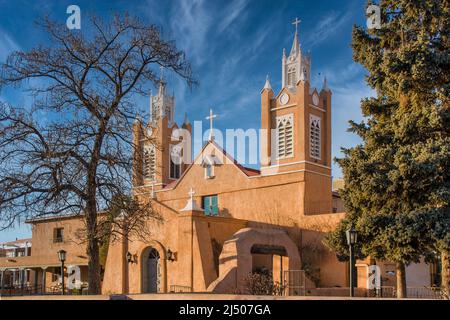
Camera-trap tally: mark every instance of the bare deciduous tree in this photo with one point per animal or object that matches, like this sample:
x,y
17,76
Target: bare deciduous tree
x,y
81,156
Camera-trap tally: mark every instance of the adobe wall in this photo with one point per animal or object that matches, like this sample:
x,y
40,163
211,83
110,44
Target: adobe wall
x,y
182,233
44,252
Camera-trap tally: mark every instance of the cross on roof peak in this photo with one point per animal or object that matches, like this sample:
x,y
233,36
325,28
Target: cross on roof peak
x,y
211,118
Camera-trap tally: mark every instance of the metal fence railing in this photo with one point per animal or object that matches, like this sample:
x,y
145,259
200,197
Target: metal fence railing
x,y
30,290
25,290
294,283
179,289
411,292
425,293
381,292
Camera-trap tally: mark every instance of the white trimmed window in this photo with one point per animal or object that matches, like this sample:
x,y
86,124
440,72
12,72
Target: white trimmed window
x,y
209,171
285,136
208,164
168,114
150,162
315,137
291,76
156,108
175,162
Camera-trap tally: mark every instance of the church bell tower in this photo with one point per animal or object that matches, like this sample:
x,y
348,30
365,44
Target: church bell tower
x,y
296,123
160,157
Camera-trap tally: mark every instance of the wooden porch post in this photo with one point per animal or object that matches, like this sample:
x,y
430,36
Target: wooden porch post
x,y
44,273
36,280
2,281
21,280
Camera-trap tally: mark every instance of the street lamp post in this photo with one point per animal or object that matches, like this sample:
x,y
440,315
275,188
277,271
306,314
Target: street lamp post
x,y
352,237
62,258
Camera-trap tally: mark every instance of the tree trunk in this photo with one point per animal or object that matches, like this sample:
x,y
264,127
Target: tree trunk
x,y
93,251
445,265
401,280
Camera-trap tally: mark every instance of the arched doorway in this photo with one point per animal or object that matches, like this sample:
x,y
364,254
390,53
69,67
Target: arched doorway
x,y
270,259
151,271
243,246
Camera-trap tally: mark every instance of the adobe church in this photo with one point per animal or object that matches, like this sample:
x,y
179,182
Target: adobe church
x,y
222,221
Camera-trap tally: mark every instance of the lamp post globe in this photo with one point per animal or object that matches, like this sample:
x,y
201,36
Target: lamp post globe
x,y
352,237
62,255
62,258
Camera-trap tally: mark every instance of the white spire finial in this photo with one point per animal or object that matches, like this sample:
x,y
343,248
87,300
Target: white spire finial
x,y
138,118
186,120
152,193
161,68
302,76
295,45
267,84
162,84
151,107
325,84
211,118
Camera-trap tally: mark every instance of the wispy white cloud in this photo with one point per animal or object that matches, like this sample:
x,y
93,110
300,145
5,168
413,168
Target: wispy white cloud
x,y
192,25
7,45
223,84
327,26
241,56
348,90
346,107
232,13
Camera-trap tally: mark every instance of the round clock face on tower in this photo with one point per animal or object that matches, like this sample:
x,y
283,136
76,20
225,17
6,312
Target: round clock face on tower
x,y
149,131
284,99
315,99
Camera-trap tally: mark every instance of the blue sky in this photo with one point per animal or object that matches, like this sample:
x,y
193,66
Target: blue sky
x,y
232,45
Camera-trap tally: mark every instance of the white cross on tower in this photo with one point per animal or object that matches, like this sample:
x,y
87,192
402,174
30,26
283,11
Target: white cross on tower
x,y
191,193
296,23
211,117
153,191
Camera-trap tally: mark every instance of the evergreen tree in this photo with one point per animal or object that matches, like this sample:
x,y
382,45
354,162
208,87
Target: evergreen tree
x,y
397,190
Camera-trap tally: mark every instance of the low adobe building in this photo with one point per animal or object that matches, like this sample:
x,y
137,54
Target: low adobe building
x,y
33,263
